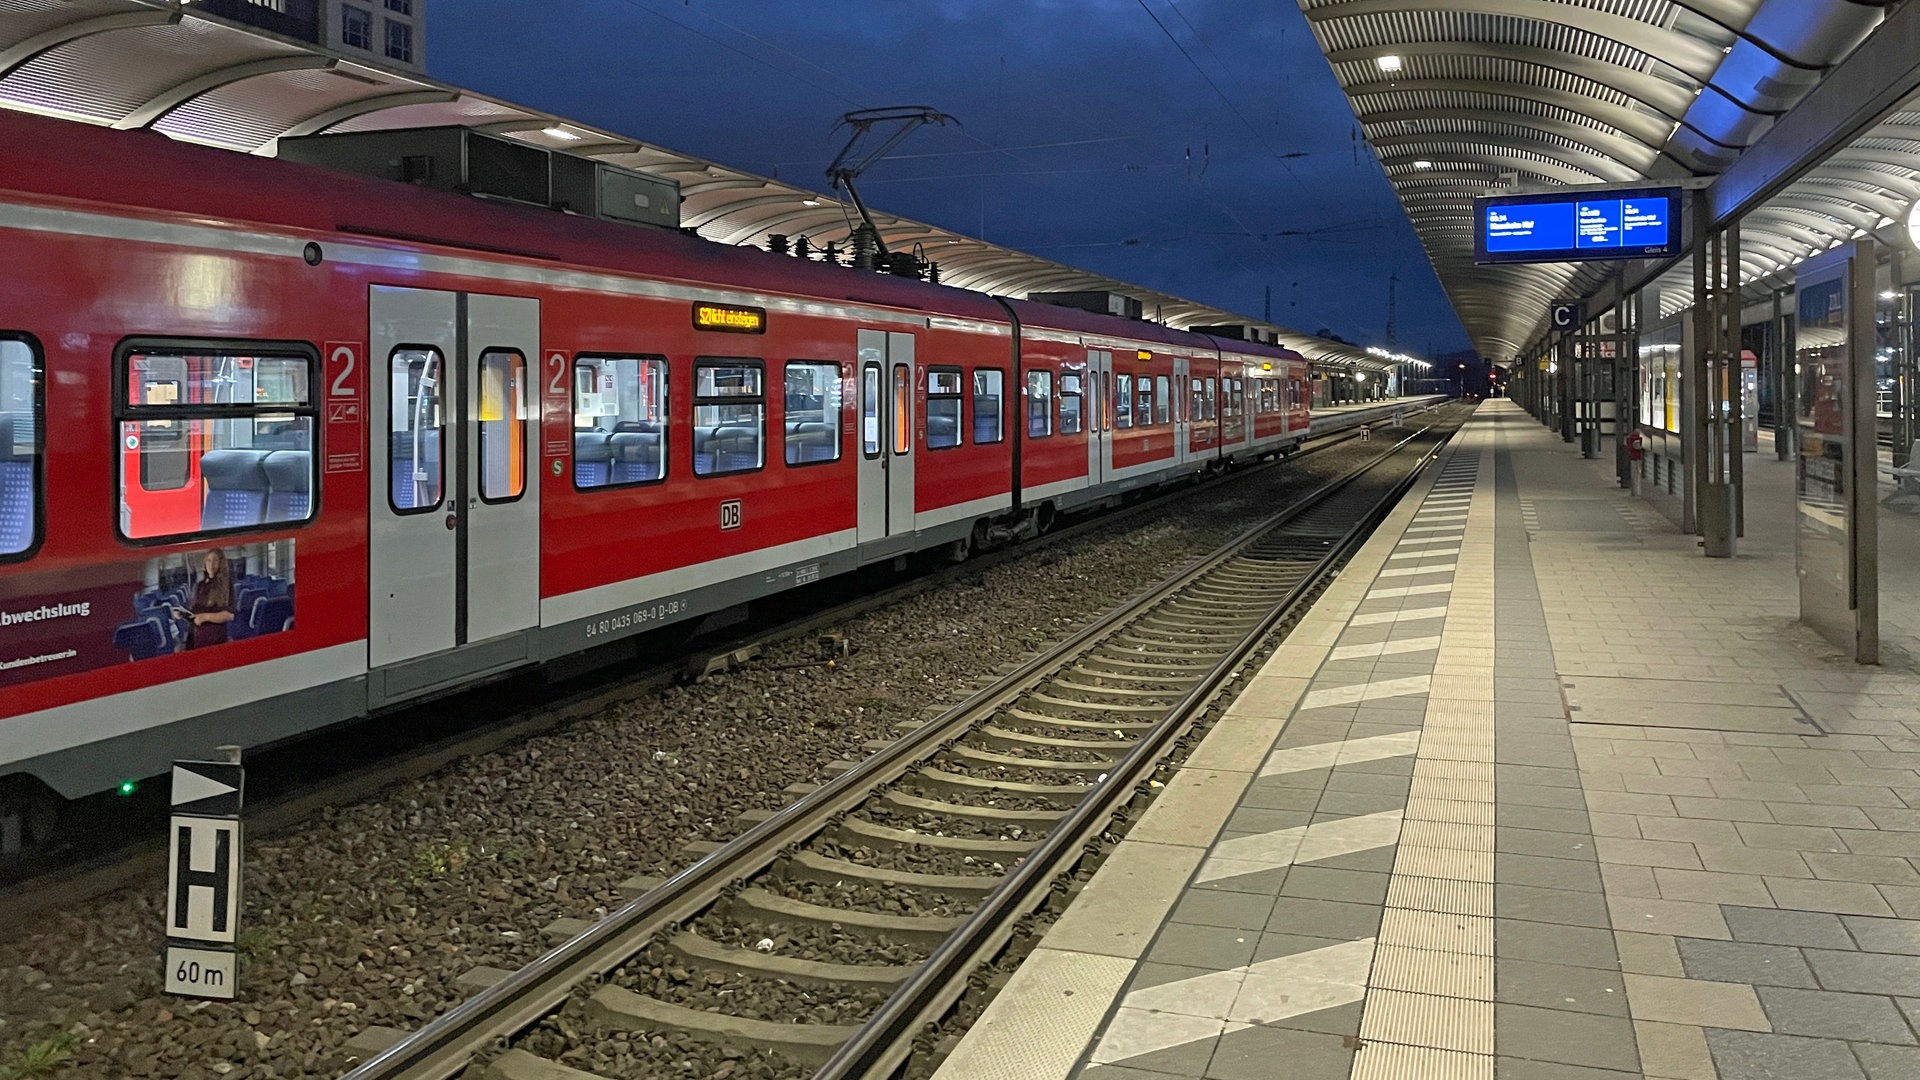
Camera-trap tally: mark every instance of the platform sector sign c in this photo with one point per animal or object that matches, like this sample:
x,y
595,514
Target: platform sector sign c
x,y
1577,226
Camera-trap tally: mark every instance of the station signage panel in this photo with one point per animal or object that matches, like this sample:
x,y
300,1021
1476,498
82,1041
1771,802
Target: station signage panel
x,y
1577,226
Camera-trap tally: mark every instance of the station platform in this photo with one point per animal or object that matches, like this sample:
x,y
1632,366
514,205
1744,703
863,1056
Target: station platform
x,y
1535,792
1331,418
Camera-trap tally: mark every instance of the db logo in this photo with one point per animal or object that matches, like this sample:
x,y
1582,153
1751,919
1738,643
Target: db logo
x,y
730,514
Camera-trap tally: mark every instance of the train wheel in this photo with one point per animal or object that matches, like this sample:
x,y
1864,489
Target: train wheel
x,y
28,813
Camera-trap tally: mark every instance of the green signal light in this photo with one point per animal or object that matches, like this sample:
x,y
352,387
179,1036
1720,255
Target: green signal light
x,y
128,787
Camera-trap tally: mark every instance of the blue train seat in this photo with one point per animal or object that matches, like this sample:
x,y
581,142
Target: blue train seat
x,y
270,615
592,459
236,488
986,419
143,638
400,462
289,480
635,456
16,484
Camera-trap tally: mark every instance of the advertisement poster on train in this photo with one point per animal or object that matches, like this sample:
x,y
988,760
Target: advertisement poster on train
x,y
65,624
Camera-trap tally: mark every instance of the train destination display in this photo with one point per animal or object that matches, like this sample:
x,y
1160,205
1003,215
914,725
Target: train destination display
x,y
1640,224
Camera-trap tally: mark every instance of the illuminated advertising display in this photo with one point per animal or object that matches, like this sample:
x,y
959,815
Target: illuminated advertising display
x,y
1577,226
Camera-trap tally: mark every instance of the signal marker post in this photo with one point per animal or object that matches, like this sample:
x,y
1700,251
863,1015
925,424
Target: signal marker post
x,y
203,877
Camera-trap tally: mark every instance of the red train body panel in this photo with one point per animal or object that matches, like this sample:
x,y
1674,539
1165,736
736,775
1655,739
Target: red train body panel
x,y
283,446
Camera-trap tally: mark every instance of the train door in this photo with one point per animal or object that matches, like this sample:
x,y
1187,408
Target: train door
x,y
455,537
1182,421
887,396
1099,417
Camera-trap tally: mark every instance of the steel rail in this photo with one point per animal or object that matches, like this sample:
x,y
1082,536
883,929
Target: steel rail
x,y
449,1042
882,1044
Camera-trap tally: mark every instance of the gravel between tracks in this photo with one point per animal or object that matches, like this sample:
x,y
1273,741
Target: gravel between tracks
x,y
368,914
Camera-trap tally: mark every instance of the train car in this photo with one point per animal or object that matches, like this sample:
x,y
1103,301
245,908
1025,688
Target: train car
x,y
282,447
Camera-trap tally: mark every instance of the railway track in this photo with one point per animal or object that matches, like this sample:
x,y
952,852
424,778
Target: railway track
x,y
32,888
833,934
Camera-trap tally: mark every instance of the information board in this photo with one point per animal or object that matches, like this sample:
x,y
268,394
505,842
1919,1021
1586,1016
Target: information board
x,y
1577,226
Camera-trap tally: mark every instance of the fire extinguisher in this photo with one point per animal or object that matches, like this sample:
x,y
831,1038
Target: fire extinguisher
x,y
1635,445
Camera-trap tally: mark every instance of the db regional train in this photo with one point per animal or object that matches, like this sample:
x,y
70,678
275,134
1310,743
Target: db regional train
x,y
283,446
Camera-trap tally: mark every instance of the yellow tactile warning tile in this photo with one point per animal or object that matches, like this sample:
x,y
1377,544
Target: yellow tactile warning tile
x,y
1446,1023
1388,1061
1449,974
1440,894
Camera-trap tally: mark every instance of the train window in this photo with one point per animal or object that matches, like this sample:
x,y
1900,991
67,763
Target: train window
x,y
503,425
1197,408
989,391
1162,399
1122,401
943,408
729,417
417,432
1144,409
619,421
870,410
1070,404
214,437
1039,404
902,408
1211,414
21,409
812,413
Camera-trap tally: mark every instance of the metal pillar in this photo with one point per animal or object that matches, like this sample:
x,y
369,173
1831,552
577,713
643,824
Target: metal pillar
x,y
1566,386
1784,385
1624,402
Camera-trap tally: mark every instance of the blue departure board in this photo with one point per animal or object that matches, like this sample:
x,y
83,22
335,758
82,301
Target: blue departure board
x,y
1640,224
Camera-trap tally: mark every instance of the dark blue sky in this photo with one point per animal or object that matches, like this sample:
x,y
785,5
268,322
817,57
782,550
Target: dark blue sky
x,y
1088,137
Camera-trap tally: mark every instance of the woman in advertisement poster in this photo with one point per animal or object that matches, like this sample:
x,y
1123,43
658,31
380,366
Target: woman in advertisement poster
x,y
212,602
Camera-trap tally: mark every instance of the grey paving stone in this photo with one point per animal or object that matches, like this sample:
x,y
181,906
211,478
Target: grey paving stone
x,y
1559,986
1829,1015
1324,918
1323,883
1519,939
1259,819
1245,911
1354,803
1269,795
1814,929
1547,843
1569,1038
1213,947
1393,766
1512,1068
1577,875
1752,1055
1119,1072
1518,816
1843,897
1889,1062
1741,962
1151,974
1344,1020
1551,905
1370,783
1251,1054
1563,777
1272,946
1187,1059
1884,935
1373,860
1517,793
1865,973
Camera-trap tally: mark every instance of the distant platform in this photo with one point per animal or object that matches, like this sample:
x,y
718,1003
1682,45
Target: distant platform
x,y
1536,792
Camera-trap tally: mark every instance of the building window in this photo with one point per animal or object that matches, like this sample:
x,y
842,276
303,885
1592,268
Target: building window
x,y
399,42
356,27
403,7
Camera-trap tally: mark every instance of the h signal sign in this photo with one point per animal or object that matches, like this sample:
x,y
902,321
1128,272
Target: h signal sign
x,y
203,877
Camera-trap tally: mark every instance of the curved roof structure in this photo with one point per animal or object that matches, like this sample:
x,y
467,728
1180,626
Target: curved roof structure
x,y
1463,98
160,64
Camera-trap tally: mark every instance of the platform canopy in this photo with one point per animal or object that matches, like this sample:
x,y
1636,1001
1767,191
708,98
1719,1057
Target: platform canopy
x,y
1463,98
164,65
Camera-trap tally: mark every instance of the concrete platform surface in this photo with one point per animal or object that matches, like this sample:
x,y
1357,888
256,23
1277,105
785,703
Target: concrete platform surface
x,y
1536,792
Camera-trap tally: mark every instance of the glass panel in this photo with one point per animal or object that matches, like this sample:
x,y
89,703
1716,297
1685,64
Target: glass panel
x,y
1123,401
1070,404
729,419
619,421
1826,540
870,410
989,388
19,448
248,473
943,408
812,413
1039,403
416,431
1146,400
1162,399
1210,400
902,408
503,425
163,379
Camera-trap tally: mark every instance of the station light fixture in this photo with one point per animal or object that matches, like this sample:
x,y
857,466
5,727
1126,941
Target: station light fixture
x,y
557,132
1389,63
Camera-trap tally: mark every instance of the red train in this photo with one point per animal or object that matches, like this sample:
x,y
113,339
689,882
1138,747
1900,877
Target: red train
x,y
322,443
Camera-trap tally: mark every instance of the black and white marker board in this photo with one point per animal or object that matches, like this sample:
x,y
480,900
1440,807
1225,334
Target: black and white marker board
x,y
203,878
